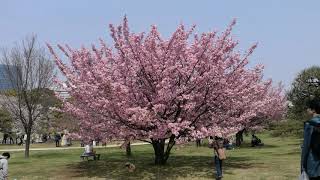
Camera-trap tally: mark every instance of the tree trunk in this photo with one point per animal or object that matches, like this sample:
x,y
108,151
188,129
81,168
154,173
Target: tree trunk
x,y
158,146
28,129
128,149
198,142
161,151
239,138
27,147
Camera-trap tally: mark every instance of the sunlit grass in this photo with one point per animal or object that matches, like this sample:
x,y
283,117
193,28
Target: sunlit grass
x,y
278,159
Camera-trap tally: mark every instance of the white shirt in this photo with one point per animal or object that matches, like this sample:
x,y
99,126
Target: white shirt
x,y
3,168
88,149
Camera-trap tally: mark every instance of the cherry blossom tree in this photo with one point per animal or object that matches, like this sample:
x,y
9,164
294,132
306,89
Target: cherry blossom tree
x,y
154,89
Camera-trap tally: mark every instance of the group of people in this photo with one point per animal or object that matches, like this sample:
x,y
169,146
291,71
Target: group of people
x,y
19,138
310,156
12,138
64,138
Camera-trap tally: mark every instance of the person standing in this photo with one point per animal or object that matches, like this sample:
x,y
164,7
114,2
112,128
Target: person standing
x,y
219,154
4,166
5,137
25,137
57,138
198,142
310,156
69,143
64,140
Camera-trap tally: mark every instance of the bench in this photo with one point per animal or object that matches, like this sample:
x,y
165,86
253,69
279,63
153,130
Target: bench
x,y
94,156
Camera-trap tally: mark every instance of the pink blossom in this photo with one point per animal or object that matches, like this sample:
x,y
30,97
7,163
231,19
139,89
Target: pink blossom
x,y
144,86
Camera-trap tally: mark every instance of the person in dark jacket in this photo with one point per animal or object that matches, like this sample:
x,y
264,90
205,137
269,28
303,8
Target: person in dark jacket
x,y
310,162
57,138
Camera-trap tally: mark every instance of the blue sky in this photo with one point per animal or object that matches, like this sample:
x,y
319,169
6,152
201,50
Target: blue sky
x,y
287,30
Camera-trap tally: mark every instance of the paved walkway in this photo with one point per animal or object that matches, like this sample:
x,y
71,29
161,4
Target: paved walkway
x,y
67,148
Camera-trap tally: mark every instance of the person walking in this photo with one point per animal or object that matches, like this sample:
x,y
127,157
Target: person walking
x,y
219,154
4,166
310,156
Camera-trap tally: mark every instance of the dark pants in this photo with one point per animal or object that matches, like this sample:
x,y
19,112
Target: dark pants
x,y
314,178
218,164
198,141
57,143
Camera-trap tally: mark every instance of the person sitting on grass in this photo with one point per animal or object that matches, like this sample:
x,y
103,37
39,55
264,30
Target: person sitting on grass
x,y
255,141
228,144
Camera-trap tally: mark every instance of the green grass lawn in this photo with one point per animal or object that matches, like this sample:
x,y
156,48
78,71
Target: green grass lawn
x,y
50,144
278,159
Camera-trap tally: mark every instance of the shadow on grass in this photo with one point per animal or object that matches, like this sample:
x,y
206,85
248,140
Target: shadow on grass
x,y
265,146
112,167
293,152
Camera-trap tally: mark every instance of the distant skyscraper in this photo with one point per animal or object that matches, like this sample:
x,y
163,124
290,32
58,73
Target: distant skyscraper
x,y
5,82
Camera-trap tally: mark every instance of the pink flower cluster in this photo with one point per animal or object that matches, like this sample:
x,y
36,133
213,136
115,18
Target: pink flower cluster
x,y
145,86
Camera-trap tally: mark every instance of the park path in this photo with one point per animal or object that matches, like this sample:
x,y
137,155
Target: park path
x,y
68,148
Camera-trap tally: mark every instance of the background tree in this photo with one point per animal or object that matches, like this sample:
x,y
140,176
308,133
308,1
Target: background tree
x,y
300,92
154,89
60,121
260,123
6,121
50,118
29,70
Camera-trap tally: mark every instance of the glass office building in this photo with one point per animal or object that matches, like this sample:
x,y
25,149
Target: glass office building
x,y
5,82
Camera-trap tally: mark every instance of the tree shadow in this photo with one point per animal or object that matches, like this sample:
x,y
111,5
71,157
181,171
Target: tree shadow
x,y
264,146
113,167
293,152
295,144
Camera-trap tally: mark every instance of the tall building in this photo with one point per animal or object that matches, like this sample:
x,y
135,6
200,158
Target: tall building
x,y
5,82
61,91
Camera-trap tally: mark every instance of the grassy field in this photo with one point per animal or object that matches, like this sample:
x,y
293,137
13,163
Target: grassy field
x,y
277,160
50,144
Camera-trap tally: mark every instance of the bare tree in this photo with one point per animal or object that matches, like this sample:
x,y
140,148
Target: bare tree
x,y
29,70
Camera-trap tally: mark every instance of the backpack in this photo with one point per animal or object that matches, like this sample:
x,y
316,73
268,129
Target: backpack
x,y
315,140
